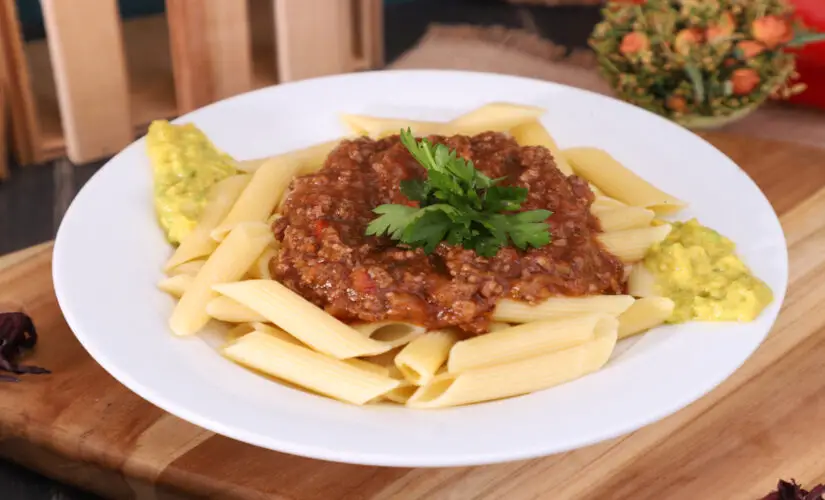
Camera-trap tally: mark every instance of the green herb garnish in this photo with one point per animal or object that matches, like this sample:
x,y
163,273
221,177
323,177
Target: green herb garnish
x,y
459,205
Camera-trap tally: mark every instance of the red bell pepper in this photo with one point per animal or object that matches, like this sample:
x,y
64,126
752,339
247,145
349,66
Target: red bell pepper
x,y
810,60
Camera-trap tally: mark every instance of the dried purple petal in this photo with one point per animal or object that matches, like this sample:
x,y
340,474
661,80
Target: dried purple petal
x,y
793,491
17,333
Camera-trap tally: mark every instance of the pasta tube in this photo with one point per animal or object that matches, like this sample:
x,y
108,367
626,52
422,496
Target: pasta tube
x,y
199,242
260,197
312,326
631,245
176,285
598,167
309,369
395,333
641,282
527,340
533,133
310,158
227,263
645,314
513,311
226,309
625,218
516,378
420,359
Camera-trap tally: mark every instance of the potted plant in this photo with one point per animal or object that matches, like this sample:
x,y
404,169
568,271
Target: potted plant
x,y
702,63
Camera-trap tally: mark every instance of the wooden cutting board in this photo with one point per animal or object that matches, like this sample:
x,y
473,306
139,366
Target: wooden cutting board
x,y
764,423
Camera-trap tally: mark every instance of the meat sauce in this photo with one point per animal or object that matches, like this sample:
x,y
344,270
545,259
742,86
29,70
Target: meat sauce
x,y
326,257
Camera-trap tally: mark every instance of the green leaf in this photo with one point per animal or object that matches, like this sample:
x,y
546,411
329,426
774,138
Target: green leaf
x,y
695,77
459,205
806,37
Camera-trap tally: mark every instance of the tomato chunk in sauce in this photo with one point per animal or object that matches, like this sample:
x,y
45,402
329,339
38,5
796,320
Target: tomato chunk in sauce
x,y
326,257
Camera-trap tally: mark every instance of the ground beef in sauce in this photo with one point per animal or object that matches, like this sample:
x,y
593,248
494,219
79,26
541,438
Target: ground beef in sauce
x,y
326,257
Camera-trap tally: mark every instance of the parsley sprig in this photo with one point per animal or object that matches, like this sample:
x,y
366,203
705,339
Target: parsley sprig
x,y
459,205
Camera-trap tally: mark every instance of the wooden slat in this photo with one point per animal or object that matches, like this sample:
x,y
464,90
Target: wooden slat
x,y
86,48
372,32
25,129
313,38
211,50
4,164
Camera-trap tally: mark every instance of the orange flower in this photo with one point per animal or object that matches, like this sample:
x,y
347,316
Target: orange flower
x,y
744,80
634,42
772,31
724,28
687,39
676,103
750,49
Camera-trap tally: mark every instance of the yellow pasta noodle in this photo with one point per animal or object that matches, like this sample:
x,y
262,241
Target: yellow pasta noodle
x,y
228,262
645,314
619,219
533,133
395,333
299,317
402,393
641,282
191,268
495,116
239,331
598,167
176,285
199,242
370,367
376,127
276,332
495,326
260,269
261,196
631,245
516,378
513,311
527,340
225,309
309,158
420,359
604,203
307,368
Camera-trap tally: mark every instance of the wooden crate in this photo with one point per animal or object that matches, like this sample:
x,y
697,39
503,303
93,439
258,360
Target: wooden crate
x,y
96,81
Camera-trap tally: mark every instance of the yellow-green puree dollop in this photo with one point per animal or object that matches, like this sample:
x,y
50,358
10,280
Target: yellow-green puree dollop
x,y
698,269
186,165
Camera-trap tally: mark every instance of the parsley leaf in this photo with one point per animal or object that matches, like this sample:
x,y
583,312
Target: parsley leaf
x,y
459,205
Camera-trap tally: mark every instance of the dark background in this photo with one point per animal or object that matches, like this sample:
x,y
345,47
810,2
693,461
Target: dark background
x,y
33,200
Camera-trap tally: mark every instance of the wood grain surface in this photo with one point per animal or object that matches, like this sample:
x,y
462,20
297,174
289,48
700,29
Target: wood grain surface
x,y
763,423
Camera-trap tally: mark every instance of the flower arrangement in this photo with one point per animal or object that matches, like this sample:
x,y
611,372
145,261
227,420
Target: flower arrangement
x,y
702,63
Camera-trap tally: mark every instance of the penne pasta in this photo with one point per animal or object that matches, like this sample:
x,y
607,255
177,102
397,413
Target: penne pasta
x,y
370,367
299,317
527,340
645,314
495,326
260,269
395,333
603,203
276,332
310,158
402,393
533,133
225,309
260,197
228,262
309,369
419,360
239,331
513,311
375,127
496,117
620,219
598,167
631,245
641,282
191,268
176,285
515,378
199,242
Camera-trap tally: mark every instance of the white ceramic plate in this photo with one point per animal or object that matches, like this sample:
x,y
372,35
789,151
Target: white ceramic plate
x,y
109,254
